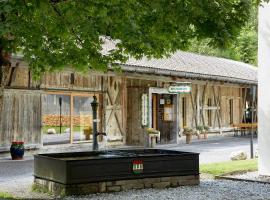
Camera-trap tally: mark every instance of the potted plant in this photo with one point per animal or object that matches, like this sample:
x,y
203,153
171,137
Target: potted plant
x,y
188,132
152,137
205,131
152,131
17,150
199,130
87,132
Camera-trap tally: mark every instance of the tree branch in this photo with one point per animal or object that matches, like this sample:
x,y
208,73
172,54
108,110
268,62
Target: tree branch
x,y
61,16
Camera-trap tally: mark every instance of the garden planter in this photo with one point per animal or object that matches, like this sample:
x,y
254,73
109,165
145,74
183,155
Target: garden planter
x,y
17,150
205,135
188,138
87,132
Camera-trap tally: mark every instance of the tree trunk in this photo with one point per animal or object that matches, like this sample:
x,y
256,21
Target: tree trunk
x,y
5,67
1,82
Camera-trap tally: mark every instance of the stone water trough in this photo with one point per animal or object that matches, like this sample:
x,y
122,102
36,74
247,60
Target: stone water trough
x,y
115,170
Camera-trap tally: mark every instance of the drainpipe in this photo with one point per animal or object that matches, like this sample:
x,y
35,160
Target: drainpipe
x,y
94,105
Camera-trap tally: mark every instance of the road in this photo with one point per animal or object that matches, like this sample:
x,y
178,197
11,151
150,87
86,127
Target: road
x,y
19,174
216,149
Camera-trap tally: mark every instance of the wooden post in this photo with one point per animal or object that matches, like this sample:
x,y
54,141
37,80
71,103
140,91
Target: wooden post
x,y
198,105
202,104
71,119
217,104
154,109
244,105
194,109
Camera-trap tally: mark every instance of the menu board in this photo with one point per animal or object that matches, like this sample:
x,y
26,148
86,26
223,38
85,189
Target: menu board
x,y
168,113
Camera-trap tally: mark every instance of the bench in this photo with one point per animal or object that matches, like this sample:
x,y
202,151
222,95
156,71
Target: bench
x,y
243,127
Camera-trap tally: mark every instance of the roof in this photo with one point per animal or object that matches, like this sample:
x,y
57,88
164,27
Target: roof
x,y
191,65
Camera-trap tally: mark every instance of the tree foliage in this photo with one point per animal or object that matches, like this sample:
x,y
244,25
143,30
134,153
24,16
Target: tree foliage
x,y
53,34
243,48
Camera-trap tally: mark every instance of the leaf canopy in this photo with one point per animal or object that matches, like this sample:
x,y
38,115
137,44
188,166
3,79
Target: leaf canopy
x,y
53,34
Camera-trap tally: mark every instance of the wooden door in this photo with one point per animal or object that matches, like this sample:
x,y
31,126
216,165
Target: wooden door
x,y
167,117
135,131
114,121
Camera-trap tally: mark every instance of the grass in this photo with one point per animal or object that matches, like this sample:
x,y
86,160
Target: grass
x,y
229,167
37,188
4,195
57,128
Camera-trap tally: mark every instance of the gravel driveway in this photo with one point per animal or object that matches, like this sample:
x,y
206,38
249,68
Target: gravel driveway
x,y
16,178
207,190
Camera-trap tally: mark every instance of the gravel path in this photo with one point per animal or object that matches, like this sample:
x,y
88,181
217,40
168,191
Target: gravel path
x,y
22,189
16,179
207,190
252,176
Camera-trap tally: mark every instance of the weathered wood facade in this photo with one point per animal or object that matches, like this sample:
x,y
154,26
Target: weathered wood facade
x,y
214,103
21,117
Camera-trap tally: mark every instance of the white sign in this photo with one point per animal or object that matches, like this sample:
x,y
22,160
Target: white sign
x,y
162,101
96,120
168,113
144,109
179,89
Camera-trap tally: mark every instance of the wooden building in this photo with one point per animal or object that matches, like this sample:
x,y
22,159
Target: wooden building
x,y
219,97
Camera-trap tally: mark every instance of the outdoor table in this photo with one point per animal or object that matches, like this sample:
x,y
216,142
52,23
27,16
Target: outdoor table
x,y
243,127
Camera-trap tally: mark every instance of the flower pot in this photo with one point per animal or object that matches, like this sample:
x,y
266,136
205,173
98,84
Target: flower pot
x,y
205,135
17,150
87,132
188,138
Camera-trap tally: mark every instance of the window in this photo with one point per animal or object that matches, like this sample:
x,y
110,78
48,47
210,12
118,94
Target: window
x,y
184,111
231,110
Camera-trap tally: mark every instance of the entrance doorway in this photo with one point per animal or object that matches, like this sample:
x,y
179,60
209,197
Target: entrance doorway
x,y
165,116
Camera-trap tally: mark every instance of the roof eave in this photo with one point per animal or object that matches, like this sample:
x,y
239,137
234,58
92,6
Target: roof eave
x,y
188,75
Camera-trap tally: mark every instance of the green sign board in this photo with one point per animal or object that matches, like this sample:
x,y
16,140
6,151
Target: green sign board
x,y
179,89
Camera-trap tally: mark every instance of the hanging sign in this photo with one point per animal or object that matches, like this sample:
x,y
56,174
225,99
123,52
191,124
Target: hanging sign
x,y
180,88
144,109
137,166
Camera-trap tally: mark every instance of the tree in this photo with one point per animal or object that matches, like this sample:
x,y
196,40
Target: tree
x,y
53,34
243,48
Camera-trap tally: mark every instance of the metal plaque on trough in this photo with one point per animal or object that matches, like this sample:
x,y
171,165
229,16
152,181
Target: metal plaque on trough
x,y
137,166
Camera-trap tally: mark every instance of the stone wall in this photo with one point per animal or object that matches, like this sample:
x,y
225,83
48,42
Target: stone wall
x,y
78,120
114,186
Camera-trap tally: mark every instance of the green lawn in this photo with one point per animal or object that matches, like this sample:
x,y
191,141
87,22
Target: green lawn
x,y
4,195
57,128
228,167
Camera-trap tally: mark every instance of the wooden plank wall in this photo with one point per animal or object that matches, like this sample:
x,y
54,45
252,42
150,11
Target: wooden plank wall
x,y
22,78
223,94
121,99
63,80
220,94
135,130
21,117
